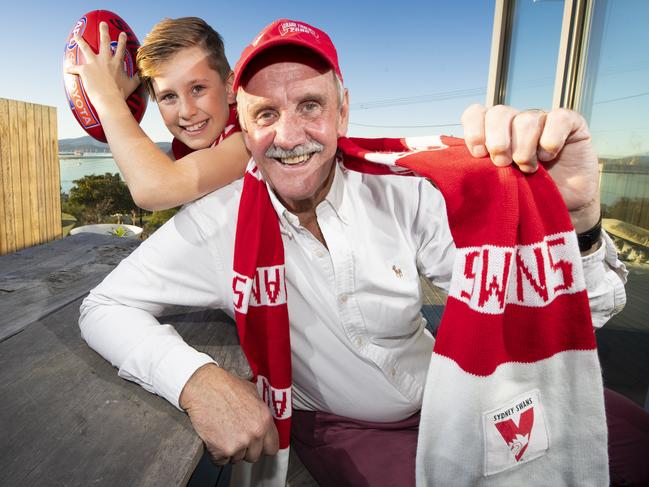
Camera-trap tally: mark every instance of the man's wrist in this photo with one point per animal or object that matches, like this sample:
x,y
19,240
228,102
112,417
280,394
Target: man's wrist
x,y
184,400
585,217
590,240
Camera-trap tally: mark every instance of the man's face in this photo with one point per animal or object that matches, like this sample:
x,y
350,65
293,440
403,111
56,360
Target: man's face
x,y
293,120
192,98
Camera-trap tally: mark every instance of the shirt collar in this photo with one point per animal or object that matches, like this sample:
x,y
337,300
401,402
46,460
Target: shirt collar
x,y
334,198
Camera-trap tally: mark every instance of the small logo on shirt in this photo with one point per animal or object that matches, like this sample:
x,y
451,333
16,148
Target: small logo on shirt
x,y
397,271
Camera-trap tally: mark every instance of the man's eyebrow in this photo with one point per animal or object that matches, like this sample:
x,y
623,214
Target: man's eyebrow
x,y
316,96
262,104
254,107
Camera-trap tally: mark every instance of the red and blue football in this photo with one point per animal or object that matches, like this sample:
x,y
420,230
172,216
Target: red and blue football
x,y
88,28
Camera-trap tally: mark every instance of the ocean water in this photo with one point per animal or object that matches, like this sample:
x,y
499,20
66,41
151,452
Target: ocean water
x,y
76,168
613,185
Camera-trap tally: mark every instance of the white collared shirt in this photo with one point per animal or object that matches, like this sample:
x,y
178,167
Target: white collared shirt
x,y
358,340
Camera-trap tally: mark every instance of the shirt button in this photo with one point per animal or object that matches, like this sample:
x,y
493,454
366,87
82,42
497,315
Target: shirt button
x,y
359,341
393,372
343,298
320,254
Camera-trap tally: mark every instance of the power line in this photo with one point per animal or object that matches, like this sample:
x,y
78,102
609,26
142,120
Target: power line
x,y
481,90
406,126
447,95
410,100
439,96
637,95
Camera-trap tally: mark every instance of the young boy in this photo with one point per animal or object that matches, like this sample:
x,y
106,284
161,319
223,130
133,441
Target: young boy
x,y
182,63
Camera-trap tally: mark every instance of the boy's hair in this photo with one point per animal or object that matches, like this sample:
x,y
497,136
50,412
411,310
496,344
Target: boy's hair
x,y
170,36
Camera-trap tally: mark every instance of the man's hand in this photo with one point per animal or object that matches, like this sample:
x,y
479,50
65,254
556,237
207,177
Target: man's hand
x,y
103,74
228,415
559,139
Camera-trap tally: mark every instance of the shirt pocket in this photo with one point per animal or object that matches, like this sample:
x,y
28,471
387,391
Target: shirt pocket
x,y
392,300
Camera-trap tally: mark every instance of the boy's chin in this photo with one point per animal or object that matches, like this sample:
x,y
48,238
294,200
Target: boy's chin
x,y
197,143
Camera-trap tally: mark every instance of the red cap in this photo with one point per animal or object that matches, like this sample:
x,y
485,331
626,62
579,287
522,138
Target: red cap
x,y
288,32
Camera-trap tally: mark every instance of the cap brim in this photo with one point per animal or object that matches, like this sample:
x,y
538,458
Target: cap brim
x,y
244,61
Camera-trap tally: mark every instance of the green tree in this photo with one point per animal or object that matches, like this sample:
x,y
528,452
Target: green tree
x,y
70,208
101,197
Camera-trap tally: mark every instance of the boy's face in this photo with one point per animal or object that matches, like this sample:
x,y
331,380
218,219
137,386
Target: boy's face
x,y
192,98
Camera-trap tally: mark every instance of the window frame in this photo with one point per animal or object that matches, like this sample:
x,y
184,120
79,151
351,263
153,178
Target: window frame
x,y
573,48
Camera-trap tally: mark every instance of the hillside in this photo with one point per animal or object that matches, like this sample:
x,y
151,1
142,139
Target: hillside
x,y
638,163
88,144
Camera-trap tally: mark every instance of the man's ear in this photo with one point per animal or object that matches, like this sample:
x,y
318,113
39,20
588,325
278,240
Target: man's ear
x,y
343,116
228,88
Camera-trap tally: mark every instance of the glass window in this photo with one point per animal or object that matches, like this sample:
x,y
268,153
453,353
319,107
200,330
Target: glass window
x,y
614,99
533,52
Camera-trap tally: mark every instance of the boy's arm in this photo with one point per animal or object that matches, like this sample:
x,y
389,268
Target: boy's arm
x,y
155,181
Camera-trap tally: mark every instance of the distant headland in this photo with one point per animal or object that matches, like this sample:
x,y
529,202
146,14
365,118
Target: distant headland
x,y
83,146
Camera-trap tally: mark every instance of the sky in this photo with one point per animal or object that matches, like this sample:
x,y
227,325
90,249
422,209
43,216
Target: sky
x,y
410,66
617,97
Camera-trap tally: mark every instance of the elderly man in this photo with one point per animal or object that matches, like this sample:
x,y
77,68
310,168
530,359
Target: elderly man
x,y
355,246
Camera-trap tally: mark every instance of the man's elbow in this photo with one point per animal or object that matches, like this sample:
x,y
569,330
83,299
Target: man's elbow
x,y
92,314
86,309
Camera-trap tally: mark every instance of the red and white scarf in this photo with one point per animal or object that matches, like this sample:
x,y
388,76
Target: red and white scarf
x,y
180,150
514,375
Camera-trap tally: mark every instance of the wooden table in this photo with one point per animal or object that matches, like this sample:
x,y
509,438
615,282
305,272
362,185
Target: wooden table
x,y
66,418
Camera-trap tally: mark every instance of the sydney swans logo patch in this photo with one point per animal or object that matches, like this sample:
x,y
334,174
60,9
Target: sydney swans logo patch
x,y
517,436
514,433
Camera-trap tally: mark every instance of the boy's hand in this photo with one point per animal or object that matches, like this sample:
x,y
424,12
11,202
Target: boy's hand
x,y
228,415
103,74
558,139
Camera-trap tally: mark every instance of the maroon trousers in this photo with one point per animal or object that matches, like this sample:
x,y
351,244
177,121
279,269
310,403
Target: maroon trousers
x,y
628,440
340,451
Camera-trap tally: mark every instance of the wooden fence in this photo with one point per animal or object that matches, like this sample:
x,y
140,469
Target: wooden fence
x,y
30,197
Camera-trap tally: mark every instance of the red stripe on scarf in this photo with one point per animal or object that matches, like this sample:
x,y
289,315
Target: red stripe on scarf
x,y
480,342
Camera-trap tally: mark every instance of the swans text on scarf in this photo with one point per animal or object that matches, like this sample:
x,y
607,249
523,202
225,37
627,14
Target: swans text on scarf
x,y
266,288
279,400
488,277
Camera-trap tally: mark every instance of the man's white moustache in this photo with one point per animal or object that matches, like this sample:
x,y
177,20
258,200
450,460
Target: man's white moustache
x,y
300,150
